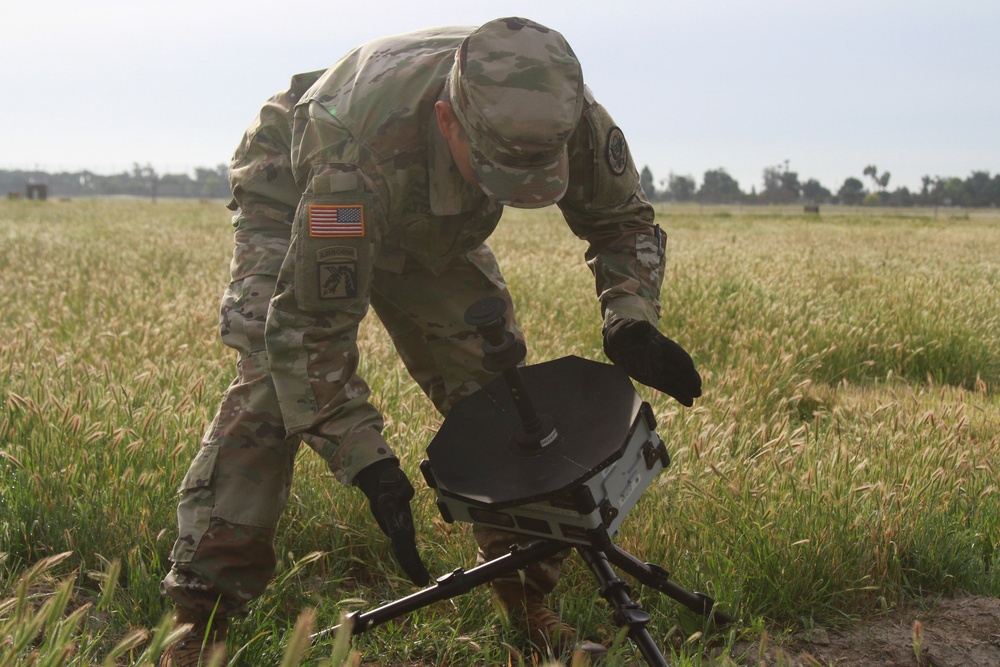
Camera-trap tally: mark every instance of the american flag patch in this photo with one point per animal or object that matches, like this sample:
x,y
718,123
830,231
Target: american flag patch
x,y
328,221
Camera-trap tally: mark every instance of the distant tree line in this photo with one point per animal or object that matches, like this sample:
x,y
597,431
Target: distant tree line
x,y
141,181
783,186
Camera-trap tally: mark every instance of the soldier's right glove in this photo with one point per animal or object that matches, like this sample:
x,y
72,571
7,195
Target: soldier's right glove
x,y
389,493
653,359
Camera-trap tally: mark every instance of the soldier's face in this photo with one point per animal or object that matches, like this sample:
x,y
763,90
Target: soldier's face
x,y
458,142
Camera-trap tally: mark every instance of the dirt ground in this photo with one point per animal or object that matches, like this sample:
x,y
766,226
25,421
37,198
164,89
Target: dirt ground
x,y
962,631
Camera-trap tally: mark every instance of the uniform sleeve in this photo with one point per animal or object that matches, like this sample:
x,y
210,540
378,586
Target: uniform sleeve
x,y
322,294
260,173
605,206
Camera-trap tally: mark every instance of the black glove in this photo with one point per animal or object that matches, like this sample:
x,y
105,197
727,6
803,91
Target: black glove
x,y
653,359
389,493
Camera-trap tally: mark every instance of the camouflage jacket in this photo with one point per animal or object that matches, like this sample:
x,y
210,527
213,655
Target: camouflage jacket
x,y
362,136
372,114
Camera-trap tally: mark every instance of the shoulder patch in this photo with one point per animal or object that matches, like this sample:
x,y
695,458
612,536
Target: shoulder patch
x,y
617,152
337,272
329,221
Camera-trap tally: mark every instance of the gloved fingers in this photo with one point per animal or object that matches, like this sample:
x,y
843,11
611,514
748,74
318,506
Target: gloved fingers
x,y
679,394
389,493
676,372
404,548
396,520
652,359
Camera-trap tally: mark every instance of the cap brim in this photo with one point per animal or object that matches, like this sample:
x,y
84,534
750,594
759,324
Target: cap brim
x,y
536,187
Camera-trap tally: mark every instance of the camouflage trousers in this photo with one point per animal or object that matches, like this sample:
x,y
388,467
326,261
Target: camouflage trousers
x,y
238,483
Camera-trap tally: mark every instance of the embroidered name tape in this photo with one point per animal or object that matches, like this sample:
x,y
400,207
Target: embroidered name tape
x,y
336,221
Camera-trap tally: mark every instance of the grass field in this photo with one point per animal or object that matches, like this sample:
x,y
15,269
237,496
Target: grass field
x,y
843,460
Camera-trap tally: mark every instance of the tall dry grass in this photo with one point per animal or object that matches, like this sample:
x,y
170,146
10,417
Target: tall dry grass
x,y
842,460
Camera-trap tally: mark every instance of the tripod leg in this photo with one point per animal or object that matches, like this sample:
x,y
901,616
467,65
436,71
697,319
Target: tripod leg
x,y
627,612
450,585
656,577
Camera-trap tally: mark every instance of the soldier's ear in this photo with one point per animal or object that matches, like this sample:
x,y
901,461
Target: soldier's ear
x,y
447,122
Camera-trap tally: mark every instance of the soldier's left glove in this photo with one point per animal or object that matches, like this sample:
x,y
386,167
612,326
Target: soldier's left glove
x,y
389,493
653,359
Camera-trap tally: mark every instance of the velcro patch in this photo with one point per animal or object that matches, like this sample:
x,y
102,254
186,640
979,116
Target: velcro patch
x,y
336,221
337,272
617,152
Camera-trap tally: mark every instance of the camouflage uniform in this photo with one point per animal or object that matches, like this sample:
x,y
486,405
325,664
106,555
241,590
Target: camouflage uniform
x,y
348,198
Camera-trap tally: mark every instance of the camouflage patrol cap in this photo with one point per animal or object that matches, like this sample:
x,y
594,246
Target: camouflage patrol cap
x,y
517,91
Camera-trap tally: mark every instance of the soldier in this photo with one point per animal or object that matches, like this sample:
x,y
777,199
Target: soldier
x,y
376,183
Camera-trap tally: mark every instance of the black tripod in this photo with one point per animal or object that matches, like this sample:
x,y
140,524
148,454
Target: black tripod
x,y
613,589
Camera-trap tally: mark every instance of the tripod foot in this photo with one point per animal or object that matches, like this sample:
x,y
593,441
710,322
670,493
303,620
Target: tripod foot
x,y
658,578
628,613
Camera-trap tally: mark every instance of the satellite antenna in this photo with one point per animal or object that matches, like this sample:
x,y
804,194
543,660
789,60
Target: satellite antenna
x,y
559,451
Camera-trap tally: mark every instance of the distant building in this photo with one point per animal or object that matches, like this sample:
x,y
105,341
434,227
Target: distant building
x,y
39,191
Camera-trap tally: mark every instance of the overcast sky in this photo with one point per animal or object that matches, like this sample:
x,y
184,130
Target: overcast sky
x,y
912,86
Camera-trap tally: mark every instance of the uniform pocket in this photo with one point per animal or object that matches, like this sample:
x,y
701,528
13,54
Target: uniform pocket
x,y
194,512
202,470
335,242
259,251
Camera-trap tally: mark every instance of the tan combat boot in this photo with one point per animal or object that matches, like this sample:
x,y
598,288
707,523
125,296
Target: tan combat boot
x,y
192,650
526,608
